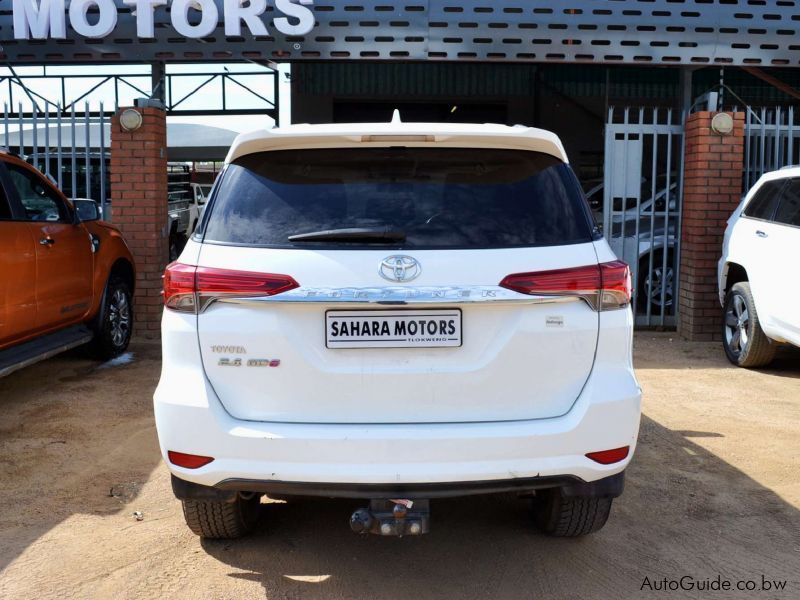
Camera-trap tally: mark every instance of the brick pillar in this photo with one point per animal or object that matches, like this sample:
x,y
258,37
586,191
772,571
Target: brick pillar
x,y
712,188
139,208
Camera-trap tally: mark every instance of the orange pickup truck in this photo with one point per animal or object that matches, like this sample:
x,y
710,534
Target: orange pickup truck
x,y
66,278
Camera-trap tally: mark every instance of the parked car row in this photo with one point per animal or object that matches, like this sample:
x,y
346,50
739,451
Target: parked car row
x,y
469,323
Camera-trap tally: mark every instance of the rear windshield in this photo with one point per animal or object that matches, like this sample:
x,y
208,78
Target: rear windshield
x,y
427,197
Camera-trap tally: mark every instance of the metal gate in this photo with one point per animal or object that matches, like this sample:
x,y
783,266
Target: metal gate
x,y
68,146
642,195
772,141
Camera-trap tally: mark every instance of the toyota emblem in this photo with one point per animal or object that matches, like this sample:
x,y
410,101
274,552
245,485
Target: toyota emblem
x,y
400,268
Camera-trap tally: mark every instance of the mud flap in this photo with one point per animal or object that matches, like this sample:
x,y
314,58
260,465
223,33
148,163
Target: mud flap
x,y
186,490
608,487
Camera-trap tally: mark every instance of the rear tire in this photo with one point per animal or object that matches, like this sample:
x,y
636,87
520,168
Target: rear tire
x,y
217,520
745,343
112,333
560,516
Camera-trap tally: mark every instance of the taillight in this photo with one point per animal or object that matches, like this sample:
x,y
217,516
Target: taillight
x,y
609,457
179,287
187,287
617,286
606,286
242,283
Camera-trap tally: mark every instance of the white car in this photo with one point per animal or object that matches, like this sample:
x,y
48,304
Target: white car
x,y
758,294
397,313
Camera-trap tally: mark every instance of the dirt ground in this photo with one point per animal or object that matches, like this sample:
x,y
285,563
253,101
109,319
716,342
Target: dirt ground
x,y
714,490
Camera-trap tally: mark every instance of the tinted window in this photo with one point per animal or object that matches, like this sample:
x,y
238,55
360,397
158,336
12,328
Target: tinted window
x,y
438,198
763,204
789,207
5,209
38,200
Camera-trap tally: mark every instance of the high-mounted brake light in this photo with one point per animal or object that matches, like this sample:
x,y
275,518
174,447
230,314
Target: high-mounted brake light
x,y
187,287
188,461
606,286
609,457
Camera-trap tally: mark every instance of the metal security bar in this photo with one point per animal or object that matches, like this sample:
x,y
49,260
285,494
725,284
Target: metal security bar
x,y
772,141
642,200
68,146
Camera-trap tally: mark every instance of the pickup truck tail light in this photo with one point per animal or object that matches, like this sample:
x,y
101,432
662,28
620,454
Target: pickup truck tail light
x,y
606,286
188,287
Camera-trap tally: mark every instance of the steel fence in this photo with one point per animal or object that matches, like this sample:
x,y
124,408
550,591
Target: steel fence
x,y
772,141
69,147
642,202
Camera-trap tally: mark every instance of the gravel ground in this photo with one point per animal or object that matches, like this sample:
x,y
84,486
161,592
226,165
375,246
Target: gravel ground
x,y
713,491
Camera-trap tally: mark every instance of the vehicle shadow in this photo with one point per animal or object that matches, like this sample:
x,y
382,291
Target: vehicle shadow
x,y
76,438
684,512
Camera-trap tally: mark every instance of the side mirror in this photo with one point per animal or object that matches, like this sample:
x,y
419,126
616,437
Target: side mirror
x,y
87,209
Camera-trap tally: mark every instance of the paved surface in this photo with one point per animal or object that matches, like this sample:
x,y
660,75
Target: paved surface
x,y
713,490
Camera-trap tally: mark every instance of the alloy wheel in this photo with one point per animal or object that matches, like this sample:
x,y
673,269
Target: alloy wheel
x,y
119,315
737,320
659,286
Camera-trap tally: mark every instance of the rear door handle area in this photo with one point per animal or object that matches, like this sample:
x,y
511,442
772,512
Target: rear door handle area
x,y
47,241
761,234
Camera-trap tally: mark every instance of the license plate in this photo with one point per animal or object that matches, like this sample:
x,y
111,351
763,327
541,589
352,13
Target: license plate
x,y
393,328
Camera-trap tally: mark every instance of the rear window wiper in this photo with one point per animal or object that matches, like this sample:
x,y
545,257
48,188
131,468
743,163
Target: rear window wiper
x,y
352,234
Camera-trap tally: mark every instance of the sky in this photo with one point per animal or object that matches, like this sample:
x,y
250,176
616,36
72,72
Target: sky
x,y
188,77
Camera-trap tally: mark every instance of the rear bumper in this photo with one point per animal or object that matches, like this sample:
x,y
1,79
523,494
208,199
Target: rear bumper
x,y
226,491
191,419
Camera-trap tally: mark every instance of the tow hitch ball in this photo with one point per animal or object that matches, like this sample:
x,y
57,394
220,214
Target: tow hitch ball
x,y
392,518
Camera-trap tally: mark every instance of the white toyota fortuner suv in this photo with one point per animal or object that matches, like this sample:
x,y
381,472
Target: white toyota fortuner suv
x,y
758,294
397,313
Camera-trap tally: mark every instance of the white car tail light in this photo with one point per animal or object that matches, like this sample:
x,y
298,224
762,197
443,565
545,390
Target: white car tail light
x,y
186,287
606,286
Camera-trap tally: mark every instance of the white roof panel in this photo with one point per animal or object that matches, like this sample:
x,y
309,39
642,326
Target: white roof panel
x,y
452,135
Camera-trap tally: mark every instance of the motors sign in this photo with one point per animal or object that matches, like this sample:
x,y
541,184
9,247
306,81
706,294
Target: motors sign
x,y
193,19
536,31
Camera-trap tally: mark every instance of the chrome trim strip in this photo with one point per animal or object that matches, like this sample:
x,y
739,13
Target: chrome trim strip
x,y
395,296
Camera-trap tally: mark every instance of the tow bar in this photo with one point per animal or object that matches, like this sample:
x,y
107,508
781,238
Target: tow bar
x,y
392,518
